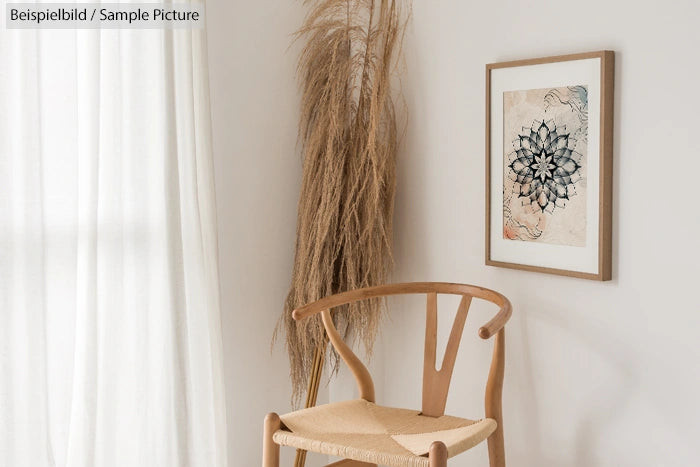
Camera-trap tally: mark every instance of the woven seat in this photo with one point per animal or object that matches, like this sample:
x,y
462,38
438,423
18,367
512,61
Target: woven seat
x,y
367,432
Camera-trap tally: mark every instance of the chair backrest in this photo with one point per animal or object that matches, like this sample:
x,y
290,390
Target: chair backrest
x,y
436,382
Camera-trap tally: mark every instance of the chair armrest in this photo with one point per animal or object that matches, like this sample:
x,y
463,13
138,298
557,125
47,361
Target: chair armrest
x,y
362,376
497,322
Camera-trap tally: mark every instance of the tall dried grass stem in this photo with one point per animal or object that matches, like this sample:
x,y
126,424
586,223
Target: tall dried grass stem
x,y
348,136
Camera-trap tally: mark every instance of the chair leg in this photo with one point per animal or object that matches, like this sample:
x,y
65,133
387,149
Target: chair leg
x,y
497,452
437,456
271,450
493,402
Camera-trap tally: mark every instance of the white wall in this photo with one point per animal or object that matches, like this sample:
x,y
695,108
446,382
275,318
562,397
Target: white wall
x,y
598,374
258,170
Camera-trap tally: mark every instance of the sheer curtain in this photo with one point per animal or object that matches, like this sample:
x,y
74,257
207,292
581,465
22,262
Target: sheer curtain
x,y
110,339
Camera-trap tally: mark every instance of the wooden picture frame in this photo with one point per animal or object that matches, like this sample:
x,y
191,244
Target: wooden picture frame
x,y
549,182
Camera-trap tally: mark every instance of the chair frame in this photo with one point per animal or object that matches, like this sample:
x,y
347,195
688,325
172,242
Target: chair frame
x,y
435,382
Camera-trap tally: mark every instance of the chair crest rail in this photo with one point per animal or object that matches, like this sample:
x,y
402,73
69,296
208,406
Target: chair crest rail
x,y
485,332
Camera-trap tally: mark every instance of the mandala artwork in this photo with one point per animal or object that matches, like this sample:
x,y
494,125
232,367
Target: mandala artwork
x,y
545,146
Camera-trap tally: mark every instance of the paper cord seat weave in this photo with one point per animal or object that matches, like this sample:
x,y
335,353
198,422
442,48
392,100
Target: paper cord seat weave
x,y
367,432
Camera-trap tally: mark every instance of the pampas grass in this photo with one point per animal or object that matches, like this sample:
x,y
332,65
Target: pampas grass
x,y
348,135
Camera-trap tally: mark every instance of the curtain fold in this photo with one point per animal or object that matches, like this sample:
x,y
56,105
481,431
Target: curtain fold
x,y
110,339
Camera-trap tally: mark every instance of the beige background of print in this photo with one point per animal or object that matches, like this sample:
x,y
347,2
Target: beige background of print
x,y
564,225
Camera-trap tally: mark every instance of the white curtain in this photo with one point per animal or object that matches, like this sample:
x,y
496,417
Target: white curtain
x,y
110,339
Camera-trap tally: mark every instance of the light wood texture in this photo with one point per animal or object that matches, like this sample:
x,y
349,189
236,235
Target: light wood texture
x,y
607,77
435,382
438,454
271,450
350,463
493,400
359,370
607,86
312,392
486,331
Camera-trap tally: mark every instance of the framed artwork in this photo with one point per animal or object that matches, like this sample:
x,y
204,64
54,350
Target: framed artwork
x,y
549,129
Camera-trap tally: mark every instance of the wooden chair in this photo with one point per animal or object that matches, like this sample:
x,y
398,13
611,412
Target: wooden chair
x,y
366,434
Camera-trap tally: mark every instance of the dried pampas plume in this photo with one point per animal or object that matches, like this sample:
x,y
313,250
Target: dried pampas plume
x,y
348,135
